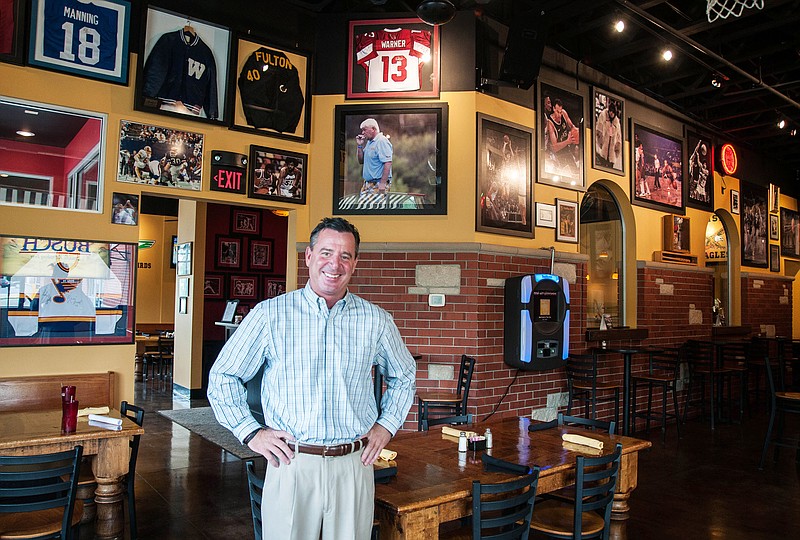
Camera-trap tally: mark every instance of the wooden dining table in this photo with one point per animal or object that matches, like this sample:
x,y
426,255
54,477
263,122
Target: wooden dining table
x,y
143,343
39,432
434,483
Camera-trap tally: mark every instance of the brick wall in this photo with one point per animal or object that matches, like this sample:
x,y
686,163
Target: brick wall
x,y
470,323
768,301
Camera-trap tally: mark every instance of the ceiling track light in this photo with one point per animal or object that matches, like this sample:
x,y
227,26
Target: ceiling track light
x,y
666,54
781,123
619,26
716,83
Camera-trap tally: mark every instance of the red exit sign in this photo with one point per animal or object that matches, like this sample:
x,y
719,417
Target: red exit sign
x,y
228,172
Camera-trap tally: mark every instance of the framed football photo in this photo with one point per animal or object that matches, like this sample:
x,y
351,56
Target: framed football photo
x,y
393,58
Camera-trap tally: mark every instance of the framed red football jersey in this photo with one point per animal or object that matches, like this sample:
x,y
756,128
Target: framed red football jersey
x,y
393,58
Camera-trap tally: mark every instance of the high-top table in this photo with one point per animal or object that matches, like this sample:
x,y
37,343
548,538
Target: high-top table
x,y
627,359
39,432
434,485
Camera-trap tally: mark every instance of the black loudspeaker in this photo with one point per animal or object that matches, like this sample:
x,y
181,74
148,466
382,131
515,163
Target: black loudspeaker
x,y
524,48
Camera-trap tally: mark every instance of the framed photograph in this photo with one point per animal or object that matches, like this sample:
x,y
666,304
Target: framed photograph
x,y
196,85
214,286
504,187
183,287
774,198
277,175
608,132
657,165
546,215
184,260
561,138
173,260
183,305
393,58
125,209
274,287
66,291
244,287
272,89
774,258
676,233
754,225
230,311
402,167
790,233
229,252
734,202
700,191
12,46
246,221
567,217
159,156
774,227
260,255
93,44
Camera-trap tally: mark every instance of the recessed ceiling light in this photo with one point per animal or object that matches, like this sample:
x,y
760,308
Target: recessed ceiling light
x,y
619,26
666,55
781,123
793,132
716,83
23,133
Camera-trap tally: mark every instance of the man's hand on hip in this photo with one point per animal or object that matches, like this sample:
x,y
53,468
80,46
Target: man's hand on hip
x,y
271,444
378,437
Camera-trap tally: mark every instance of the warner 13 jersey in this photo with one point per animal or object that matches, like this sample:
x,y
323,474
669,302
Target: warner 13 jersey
x,y
393,58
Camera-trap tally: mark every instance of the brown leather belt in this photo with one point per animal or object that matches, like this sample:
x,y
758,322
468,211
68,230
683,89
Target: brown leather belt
x,y
331,451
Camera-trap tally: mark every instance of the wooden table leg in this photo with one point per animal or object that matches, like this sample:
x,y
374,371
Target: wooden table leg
x,y
137,368
421,525
626,483
110,465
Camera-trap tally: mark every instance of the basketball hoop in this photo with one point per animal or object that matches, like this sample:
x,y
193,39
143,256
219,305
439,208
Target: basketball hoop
x,y
721,9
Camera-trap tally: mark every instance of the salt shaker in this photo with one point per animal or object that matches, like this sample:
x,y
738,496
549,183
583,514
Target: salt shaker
x,y
488,436
462,442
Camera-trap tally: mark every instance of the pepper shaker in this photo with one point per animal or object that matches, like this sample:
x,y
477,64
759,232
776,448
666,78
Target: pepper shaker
x,y
488,436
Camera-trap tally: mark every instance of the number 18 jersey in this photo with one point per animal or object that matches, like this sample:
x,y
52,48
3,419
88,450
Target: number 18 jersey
x,y
393,59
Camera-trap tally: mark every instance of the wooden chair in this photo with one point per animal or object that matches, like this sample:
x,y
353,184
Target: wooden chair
x,y
38,495
136,414
449,403
452,420
564,420
781,402
589,514
255,485
703,369
583,386
663,371
500,510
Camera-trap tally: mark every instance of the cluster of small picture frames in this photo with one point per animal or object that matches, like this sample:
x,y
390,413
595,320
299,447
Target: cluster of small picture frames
x,y
562,216
242,287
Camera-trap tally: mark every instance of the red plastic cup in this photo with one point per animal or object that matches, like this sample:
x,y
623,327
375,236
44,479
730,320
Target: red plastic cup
x,y
69,417
67,394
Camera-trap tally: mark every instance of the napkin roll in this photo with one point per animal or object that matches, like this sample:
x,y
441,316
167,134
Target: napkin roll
x,y
387,455
584,441
105,419
93,410
501,465
456,432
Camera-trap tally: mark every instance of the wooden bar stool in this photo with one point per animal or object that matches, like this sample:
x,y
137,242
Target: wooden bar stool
x,y
662,371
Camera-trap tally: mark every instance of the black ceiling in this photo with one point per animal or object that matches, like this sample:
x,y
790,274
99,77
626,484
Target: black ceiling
x,y
755,56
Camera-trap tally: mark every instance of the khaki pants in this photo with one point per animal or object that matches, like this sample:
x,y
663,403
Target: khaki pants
x,y
313,494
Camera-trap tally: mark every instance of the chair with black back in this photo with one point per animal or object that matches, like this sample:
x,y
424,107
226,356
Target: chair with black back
x,y
703,371
564,420
588,515
501,510
160,359
451,420
734,361
136,414
663,372
781,404
38,495
584,386
761,349
447,403
255,486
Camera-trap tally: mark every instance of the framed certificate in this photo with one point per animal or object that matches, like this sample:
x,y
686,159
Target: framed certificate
x,y
89,39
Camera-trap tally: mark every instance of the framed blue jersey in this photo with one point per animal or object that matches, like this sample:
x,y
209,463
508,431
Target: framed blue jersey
x,y
81,37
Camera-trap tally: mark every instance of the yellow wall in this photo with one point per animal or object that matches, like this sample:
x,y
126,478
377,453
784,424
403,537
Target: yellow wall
x,y
155,280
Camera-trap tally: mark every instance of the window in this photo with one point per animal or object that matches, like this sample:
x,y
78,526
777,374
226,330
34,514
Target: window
x,y
51,156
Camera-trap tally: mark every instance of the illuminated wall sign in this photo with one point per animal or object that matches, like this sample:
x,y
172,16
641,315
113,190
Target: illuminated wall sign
x,y
730,161
228,172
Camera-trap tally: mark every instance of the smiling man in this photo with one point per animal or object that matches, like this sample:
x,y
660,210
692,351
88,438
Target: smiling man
x,y
318,346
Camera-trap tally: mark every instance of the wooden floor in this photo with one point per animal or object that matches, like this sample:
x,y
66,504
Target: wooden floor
x,y
705,485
